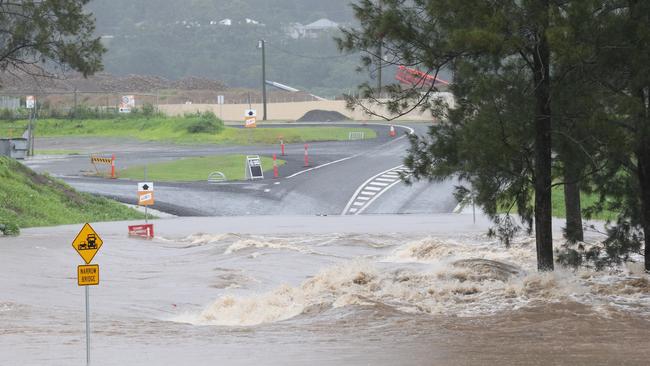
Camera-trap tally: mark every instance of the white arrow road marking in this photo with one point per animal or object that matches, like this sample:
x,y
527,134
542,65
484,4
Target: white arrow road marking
x,y
372,189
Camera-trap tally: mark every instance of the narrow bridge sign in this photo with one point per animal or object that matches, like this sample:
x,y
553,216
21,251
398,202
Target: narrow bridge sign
x,y
88,275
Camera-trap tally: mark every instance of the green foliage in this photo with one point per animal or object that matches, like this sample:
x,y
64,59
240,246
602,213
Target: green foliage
x,y
176,129
29,199
49,31
532,107
148,110
206,122
9,228
12,115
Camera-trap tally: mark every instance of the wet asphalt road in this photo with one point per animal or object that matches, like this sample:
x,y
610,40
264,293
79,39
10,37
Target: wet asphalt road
x,y
337,169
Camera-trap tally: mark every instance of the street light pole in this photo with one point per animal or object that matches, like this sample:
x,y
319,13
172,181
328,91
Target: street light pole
x,y
262,45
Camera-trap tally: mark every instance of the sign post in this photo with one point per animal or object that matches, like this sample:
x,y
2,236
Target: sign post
x,y
220,101
87,243
145,197
250,118
30,103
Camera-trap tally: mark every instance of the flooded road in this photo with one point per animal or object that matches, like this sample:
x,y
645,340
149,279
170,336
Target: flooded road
x,y
314,290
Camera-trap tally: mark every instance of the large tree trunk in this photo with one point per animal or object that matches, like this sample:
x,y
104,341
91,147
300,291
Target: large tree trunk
x,y
643,161
542,168
574,230
644,179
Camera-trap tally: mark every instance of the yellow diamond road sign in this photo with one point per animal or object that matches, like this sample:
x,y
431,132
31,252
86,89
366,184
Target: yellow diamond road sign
x,y
87,243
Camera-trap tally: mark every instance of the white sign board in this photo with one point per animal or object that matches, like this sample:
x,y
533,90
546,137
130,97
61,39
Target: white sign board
x,y
145,187
30,102
220,99
127,103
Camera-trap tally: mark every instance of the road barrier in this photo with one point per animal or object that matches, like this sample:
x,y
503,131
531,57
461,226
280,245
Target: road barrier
x,y
216,177
306,155
275,167
96,159
392,131
143,231
282,146
356,135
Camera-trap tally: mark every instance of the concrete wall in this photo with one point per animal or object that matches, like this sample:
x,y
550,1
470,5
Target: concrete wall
x,y
284,111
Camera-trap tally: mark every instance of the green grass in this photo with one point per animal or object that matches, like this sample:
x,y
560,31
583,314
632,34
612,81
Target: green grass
x,y
195,169
56,152
175,129
586,200
559,209
28,199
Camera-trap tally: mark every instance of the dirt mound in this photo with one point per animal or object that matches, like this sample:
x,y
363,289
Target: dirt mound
x,y
318,115
103,82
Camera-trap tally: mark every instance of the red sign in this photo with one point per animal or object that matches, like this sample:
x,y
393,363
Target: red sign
x,y
144,231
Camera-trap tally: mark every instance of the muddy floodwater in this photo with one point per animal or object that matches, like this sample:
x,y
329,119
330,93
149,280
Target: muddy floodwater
x,y
212,293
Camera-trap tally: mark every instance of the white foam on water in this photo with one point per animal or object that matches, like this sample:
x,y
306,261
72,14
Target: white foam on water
x,y
432,276
202,238
6,306
245,244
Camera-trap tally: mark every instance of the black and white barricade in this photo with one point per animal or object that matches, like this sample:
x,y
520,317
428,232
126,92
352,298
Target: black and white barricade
x,y
254,167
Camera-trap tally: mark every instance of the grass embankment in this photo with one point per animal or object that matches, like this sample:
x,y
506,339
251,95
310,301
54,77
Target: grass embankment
x,y
559,209
198,128
28,199
195,169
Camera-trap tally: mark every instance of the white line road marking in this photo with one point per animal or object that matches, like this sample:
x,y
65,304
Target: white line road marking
x,y
410,132
380,184
321,166
365,189
363,198
357,203
353,210
375,197
384,180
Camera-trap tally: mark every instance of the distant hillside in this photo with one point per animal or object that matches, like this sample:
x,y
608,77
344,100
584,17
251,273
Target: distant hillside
x,y
30,199
115,14
218,39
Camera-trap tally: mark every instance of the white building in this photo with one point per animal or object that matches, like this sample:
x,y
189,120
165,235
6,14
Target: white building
x,y
311,30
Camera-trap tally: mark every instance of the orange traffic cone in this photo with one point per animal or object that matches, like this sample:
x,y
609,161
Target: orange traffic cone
x,y
392,131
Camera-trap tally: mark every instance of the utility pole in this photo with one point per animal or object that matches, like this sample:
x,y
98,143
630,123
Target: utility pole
x,y
74,109
262,44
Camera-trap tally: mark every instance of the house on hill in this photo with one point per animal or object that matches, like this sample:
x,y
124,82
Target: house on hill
x,y
311,30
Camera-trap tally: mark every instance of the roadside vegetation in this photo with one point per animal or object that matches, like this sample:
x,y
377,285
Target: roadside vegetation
x,y
191,128
531,111
587,201
196,169
29,199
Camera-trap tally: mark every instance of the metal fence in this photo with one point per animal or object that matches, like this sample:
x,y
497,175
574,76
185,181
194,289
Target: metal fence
x,y
9,102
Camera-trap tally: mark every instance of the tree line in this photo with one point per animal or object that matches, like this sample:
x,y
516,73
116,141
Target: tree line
x,y
548,93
